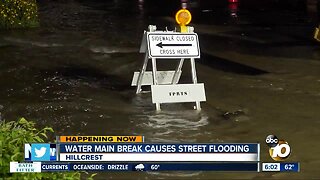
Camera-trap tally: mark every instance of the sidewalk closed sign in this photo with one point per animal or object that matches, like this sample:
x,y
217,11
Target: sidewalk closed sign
x,y
173,45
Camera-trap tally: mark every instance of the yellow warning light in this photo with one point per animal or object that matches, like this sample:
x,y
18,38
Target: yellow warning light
x,y
183,17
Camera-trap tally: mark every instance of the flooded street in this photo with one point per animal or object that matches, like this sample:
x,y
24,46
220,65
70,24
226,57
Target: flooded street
x,y
261,77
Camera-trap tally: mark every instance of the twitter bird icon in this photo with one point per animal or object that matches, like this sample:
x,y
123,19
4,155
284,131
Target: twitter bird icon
x,y
40,152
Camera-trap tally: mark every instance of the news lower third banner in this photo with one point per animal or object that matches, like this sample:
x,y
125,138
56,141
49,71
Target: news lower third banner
x,y
144,152
102,167
100,139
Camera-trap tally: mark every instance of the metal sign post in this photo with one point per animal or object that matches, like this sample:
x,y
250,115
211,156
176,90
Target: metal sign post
x,y
143,70
194,79
155,81
178,72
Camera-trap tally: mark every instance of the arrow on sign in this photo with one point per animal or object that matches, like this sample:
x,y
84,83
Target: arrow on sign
x,y
161,45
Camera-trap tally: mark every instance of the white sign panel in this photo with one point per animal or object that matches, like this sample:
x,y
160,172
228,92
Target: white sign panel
x,y
163,77
178,93
25,167
173,45
270,166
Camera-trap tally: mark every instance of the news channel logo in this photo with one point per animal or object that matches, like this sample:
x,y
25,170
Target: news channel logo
x,y
40,152
279,150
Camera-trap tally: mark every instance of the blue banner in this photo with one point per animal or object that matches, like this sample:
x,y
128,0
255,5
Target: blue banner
x,y
55,167
98,167
289,167
158,148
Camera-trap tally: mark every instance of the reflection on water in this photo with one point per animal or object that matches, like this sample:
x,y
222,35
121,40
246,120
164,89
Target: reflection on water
x,y
175,126
175,123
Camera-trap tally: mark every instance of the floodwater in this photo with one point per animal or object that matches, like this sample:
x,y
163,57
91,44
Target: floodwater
x,y
261,77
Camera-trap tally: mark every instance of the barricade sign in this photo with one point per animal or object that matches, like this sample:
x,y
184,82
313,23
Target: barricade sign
x,y
164,84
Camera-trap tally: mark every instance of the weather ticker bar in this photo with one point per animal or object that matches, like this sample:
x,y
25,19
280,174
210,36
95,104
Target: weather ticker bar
x,y
103,167
153,166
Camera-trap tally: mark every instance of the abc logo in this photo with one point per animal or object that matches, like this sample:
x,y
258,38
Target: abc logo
x,y
279,150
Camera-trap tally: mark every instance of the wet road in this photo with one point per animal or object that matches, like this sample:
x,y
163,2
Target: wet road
x,y
74,74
